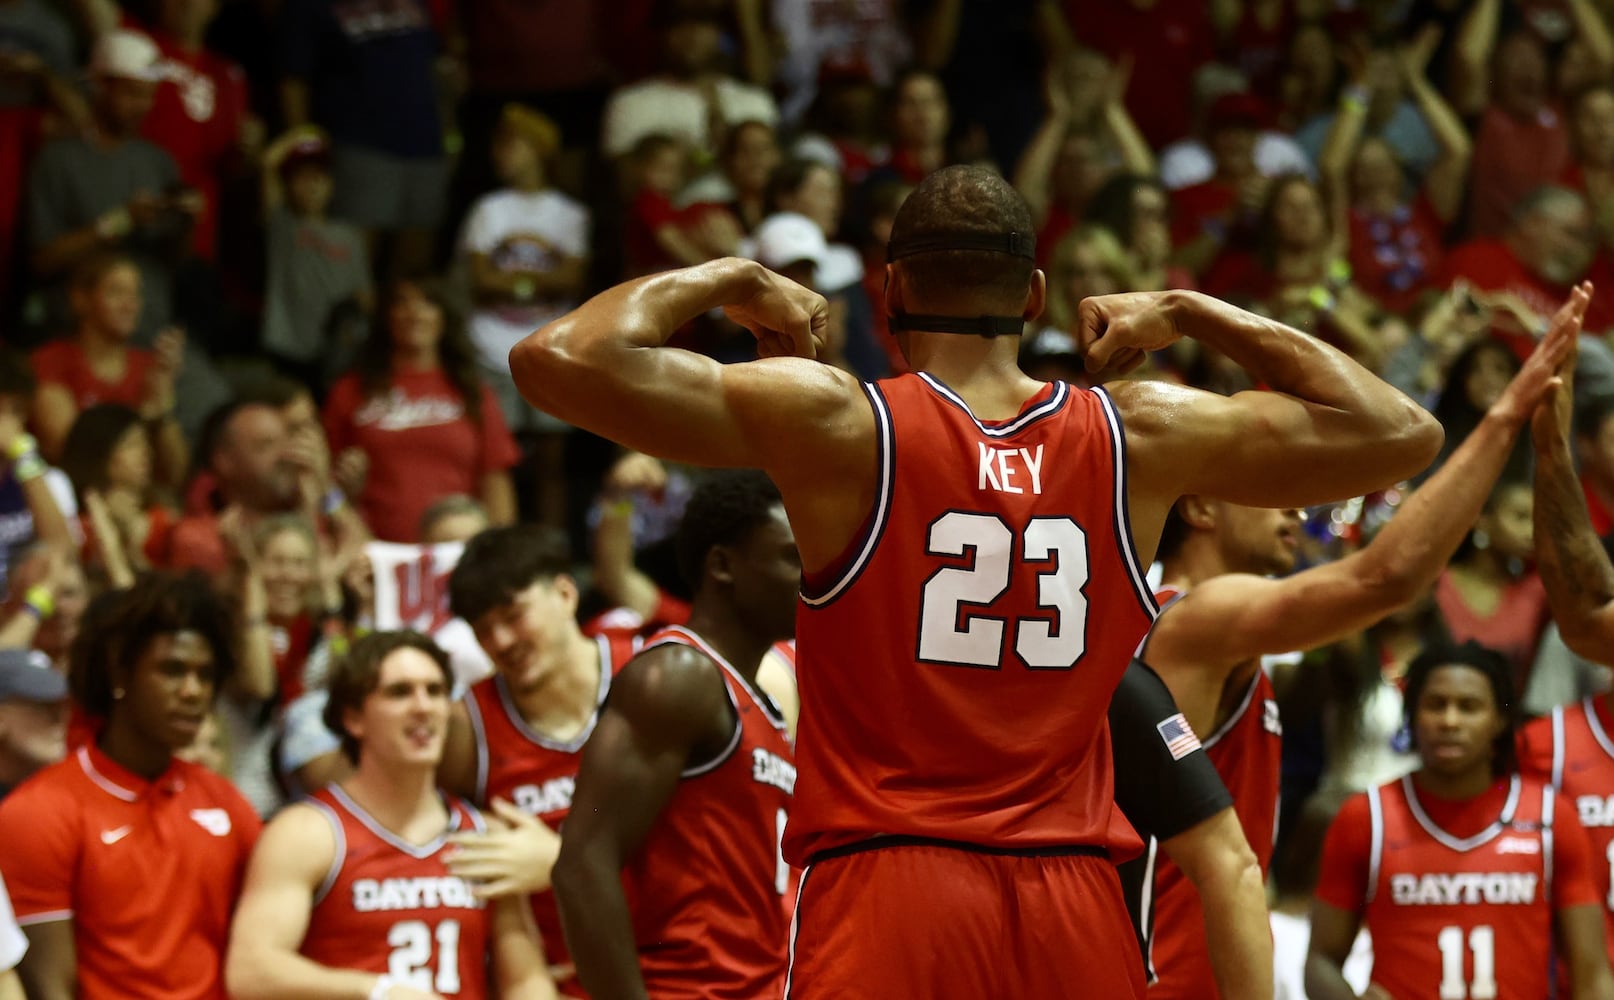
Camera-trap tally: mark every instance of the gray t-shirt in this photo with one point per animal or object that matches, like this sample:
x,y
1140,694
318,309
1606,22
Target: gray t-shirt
x,y
73,183
33,26
314,265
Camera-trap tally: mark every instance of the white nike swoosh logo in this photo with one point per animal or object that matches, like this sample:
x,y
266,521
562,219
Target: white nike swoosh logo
x,y
113,836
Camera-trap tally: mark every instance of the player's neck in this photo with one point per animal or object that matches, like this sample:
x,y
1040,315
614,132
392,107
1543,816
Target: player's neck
x,y
1454,786
565,699
724,630
1193,564
402,799
132,752
986,373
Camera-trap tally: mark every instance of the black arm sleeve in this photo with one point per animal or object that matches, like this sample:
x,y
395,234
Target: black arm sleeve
x,y
1160,796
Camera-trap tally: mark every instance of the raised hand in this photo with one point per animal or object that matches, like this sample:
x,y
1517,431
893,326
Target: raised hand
x,y
787,319
1552,423
635,473
1542,371
1115,333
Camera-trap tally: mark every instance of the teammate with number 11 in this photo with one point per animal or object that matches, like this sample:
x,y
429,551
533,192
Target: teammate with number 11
x,y
348,896
973,543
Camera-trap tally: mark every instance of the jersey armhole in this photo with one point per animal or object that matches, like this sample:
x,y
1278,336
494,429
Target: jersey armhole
x,y
479,741
1558,747
822,588
1375,850
1123,515
337,856
1549,811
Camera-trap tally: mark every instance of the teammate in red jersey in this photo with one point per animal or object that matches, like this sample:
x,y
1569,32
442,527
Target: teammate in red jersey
x,y
1463,870
1225,613
1574,747
973,542
515,740
686,784
348,895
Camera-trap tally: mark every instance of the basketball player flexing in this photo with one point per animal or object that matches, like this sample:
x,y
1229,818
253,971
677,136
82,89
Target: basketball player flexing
x,y
1207,643
348,894
960,527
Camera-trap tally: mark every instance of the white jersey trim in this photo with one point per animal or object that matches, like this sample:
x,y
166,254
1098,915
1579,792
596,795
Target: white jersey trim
x,y
1464,845
341,850
1146,911
1238,713
1596,725
1549,803
1055,400
1123,517
479,741
513,712
695,641
419,852
1375,850
885,445
795,928
1558,745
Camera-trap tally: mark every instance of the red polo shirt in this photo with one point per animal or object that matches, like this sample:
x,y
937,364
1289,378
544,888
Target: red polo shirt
x,y
147,871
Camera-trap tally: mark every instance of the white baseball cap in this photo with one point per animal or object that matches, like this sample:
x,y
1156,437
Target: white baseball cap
x,y
127,55
787,238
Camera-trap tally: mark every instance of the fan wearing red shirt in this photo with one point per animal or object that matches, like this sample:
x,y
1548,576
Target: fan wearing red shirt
x,y
686,784
515,740
960,527
416,407
1466,874
200,114
349,893
124,862
1207,645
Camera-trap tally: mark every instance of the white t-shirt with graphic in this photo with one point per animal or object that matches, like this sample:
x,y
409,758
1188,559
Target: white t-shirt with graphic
x,y
528,232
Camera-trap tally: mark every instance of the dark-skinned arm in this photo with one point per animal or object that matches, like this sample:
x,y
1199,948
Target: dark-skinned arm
x,y
1333,933
1232,619
1574,567
1330,428
667,708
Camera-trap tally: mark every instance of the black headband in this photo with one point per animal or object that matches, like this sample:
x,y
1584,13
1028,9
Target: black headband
x,y
1014,244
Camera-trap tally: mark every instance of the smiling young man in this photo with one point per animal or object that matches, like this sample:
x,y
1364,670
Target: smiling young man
x,y
124,862
1464,872
348,894
516,739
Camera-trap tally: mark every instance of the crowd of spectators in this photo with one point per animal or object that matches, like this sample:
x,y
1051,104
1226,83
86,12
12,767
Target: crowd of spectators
x,y
261,265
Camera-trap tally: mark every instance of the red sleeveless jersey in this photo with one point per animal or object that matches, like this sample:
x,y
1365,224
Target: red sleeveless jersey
x,y
958,662
1461,917
1574,750
1247,752
391,907
708,879
537,774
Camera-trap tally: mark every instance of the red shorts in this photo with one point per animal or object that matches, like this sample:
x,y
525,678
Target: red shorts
x,y
943,922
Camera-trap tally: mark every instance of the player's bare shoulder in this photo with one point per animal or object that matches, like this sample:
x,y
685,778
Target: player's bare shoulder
x,y
300,842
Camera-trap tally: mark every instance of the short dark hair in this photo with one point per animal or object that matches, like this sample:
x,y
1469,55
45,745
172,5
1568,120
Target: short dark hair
x,y
118,629
356,675
964,199
1497,670
277,391
724,509
788,177
91,441
501,562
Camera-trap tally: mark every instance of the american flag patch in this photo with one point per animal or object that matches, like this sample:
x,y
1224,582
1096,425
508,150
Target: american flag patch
x,y
1179,736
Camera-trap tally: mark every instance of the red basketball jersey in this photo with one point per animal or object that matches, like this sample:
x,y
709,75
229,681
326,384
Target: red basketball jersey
x,y
1247,752
1461,918
391,907
958,661
1573,749
537,774
708,879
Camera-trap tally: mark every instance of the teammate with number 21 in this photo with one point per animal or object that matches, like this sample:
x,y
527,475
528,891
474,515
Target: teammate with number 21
x,y
348,895
973,544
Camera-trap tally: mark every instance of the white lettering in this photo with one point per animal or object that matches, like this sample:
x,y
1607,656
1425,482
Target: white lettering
x,y
1034,466
448,892
1007,472
553,796
1595,810
1503,888
771,769
988,477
